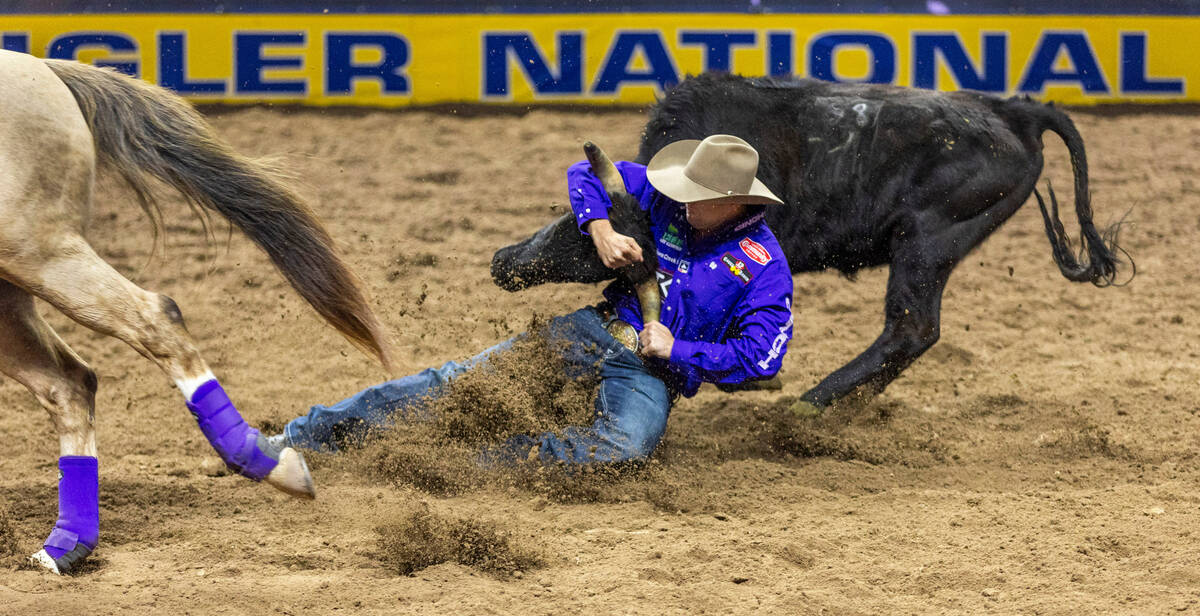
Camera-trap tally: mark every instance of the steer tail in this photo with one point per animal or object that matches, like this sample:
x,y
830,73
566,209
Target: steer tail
x,y
1099,248
143,132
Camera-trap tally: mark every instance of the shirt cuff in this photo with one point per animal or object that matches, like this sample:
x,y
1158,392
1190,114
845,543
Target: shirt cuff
x,y
681,352
582,220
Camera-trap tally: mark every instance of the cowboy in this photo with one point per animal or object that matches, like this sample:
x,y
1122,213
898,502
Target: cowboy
x,y
726,313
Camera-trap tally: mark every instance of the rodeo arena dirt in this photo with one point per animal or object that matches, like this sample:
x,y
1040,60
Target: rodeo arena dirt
x,y
1042,457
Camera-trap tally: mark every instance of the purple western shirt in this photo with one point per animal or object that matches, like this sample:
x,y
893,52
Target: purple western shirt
x,y
727,298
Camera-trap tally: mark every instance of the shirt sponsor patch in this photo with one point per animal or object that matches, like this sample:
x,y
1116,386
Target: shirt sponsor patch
x,y
737,267
755,251
670,237
664,281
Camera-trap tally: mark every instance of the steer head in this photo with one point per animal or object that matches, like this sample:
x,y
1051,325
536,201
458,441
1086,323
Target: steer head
x,y
628,218
560,253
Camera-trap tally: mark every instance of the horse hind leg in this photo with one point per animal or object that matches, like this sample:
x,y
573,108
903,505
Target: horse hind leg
x,y
76,281
34,356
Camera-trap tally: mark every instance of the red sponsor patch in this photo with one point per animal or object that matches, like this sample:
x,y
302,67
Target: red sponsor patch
x,y
755,251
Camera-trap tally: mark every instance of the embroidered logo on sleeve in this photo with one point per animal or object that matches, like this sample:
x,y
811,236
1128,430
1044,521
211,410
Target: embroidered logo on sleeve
x,y
755,251
737,267
780,339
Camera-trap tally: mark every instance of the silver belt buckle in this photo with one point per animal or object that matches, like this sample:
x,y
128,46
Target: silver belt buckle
x,y
623,333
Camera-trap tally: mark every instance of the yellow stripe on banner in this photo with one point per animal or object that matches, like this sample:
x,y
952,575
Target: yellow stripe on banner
x,y
397,60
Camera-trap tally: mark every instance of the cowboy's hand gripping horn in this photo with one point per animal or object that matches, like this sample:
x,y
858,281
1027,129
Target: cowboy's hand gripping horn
x,y
628,218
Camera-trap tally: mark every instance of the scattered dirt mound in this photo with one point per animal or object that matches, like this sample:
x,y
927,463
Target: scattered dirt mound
x,y
664,482
870,435
420,538
413,458
521,390
1081,438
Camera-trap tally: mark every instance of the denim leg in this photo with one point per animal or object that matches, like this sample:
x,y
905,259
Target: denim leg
x,y
581,342
349,421
632,407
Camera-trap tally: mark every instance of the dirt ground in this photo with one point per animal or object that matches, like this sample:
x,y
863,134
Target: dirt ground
x,y
1042,458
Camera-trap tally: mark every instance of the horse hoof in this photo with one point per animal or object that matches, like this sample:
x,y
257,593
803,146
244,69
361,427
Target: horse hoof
x,y
63,565
291,475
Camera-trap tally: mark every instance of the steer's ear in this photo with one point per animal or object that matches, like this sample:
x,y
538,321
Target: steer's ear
x,y
604,169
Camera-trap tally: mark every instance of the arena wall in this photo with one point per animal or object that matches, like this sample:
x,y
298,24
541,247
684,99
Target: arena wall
x,y
396,59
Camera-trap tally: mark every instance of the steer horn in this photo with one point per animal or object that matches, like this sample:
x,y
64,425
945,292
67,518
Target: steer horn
x,y
629,219
604,169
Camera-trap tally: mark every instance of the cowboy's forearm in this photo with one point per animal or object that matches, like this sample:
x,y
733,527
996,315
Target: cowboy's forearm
x,y
598,228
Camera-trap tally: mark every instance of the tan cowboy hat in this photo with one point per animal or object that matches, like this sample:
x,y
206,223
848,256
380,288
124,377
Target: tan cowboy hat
x,y
719,169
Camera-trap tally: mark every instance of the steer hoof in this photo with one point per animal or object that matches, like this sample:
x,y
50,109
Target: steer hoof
x,y
63,565
291,475
805,410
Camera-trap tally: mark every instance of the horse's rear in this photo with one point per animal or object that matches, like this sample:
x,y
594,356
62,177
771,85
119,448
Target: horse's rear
x,y
47,161
55,118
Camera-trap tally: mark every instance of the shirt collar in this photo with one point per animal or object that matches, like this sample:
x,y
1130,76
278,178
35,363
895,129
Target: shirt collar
x,y
725,233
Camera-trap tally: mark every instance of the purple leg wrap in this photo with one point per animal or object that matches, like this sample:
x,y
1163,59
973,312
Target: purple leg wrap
x,y
78,526
241,447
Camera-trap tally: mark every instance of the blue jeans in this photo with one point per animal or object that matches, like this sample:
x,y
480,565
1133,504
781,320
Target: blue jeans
x,y
631,412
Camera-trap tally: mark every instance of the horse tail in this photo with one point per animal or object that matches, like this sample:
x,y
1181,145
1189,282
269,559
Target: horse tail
x,y
144,132
1099,248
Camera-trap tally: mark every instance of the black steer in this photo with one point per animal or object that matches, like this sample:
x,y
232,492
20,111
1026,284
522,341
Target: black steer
x,y
871,175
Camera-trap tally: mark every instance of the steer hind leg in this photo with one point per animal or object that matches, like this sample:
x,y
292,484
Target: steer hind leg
x,y
32,354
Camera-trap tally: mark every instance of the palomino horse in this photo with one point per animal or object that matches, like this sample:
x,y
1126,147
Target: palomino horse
x,y
56,119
